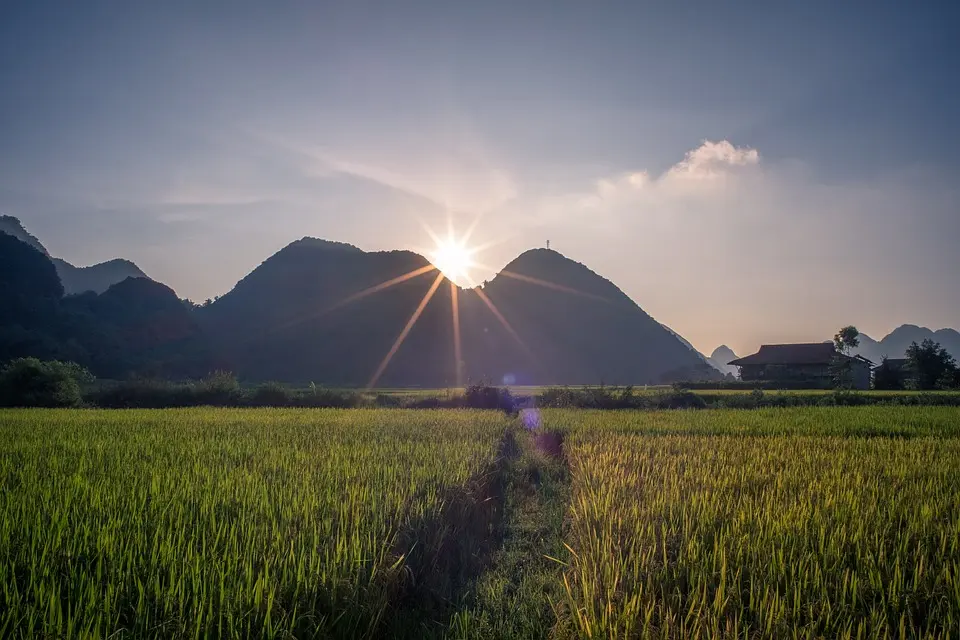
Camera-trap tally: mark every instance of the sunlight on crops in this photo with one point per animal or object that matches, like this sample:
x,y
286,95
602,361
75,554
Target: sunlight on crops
x,y
222,522
824,534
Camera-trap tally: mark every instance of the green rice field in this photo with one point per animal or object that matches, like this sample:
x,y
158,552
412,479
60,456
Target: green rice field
x,y
813,522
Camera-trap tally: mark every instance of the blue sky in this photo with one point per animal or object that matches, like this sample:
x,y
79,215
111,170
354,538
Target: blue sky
x,y
746,172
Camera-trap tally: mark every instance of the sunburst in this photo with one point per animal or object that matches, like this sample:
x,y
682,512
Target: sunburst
x,y
453,258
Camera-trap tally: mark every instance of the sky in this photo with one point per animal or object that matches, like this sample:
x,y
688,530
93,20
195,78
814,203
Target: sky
x,y
747,172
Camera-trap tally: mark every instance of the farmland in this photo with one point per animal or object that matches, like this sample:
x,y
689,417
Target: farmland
x,y
814,522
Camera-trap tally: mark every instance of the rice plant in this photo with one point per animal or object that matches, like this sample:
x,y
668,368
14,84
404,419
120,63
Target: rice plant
x,y
226,523
764,524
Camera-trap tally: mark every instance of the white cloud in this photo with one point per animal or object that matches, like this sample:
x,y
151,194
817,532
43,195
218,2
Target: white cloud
x,y
726,246
714,159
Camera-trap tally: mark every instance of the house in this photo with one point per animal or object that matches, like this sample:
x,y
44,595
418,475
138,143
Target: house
x,y
808,365
898,374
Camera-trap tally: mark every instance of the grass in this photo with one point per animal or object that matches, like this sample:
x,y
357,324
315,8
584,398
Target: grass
x,y
767,523
698,525
517,596
228,523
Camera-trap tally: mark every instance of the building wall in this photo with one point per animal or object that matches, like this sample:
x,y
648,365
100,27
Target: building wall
x,y
814,376
861,375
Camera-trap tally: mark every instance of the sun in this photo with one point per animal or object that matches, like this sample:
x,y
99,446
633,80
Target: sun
x,y
454,259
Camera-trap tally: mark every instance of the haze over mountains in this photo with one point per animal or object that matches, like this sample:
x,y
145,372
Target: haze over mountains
x,y
894,344
96,278
331,313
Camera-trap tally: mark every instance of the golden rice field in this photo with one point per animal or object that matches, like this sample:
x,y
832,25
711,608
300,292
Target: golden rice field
x,y
819,522
221,523
829,523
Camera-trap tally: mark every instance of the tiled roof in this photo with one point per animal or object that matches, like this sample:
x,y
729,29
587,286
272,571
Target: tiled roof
x,y
806,353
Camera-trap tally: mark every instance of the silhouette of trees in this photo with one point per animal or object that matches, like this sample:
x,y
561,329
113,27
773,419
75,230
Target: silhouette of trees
x,y
841,368
931,366
846,339
886,377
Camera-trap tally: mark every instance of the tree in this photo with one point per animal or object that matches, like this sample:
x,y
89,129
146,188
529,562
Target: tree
x,y
846,339
931,366
886,378
841,368
29,382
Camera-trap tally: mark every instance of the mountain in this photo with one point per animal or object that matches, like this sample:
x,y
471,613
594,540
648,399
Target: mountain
x,y
95,278
688,345
314,312
894,344
135,326
30,293
139,326
720,357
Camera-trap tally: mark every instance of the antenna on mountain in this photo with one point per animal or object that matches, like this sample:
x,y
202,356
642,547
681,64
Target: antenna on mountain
x,y
548,244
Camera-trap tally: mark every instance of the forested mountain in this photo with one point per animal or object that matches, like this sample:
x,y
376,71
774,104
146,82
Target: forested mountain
x,y
96,278
894,344
135,326
298,317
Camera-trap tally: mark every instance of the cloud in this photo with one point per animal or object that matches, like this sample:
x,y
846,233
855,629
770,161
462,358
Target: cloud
x,y
713,159
726,243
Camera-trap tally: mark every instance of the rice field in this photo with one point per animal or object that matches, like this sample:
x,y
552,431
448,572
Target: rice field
x,y
819,522
224,523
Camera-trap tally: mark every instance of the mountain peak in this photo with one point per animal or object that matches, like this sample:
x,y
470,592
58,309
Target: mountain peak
x,y
720,357
895,343
722,352
539,256
11,225
309,242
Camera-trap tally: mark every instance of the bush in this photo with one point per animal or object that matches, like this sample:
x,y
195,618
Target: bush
x,y
219,388
29,382
482,396
269,394
323,398
143,393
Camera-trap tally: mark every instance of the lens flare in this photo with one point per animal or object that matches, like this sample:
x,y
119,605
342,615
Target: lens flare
x,y
453,258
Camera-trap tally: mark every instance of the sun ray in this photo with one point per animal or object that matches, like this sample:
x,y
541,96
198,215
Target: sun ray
x,y
406,330
433,236
471,228
551,285
383,285
506,325
353,298
457,348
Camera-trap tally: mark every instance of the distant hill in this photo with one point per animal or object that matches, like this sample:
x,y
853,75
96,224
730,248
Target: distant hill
x,y
720,357
135,326
894,344
688,345
297,317
331,313
96,278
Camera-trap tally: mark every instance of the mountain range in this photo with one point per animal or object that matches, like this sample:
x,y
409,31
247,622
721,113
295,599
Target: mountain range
x,y
96,278
331,313
894,344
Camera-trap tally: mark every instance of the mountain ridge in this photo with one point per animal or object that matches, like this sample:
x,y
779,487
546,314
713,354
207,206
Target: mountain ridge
x,y
895,343
331,312
535,322
97,277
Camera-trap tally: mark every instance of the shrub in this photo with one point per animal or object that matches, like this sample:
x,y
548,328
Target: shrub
x,y
270,394
143,393
483,396
218,388
29,382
